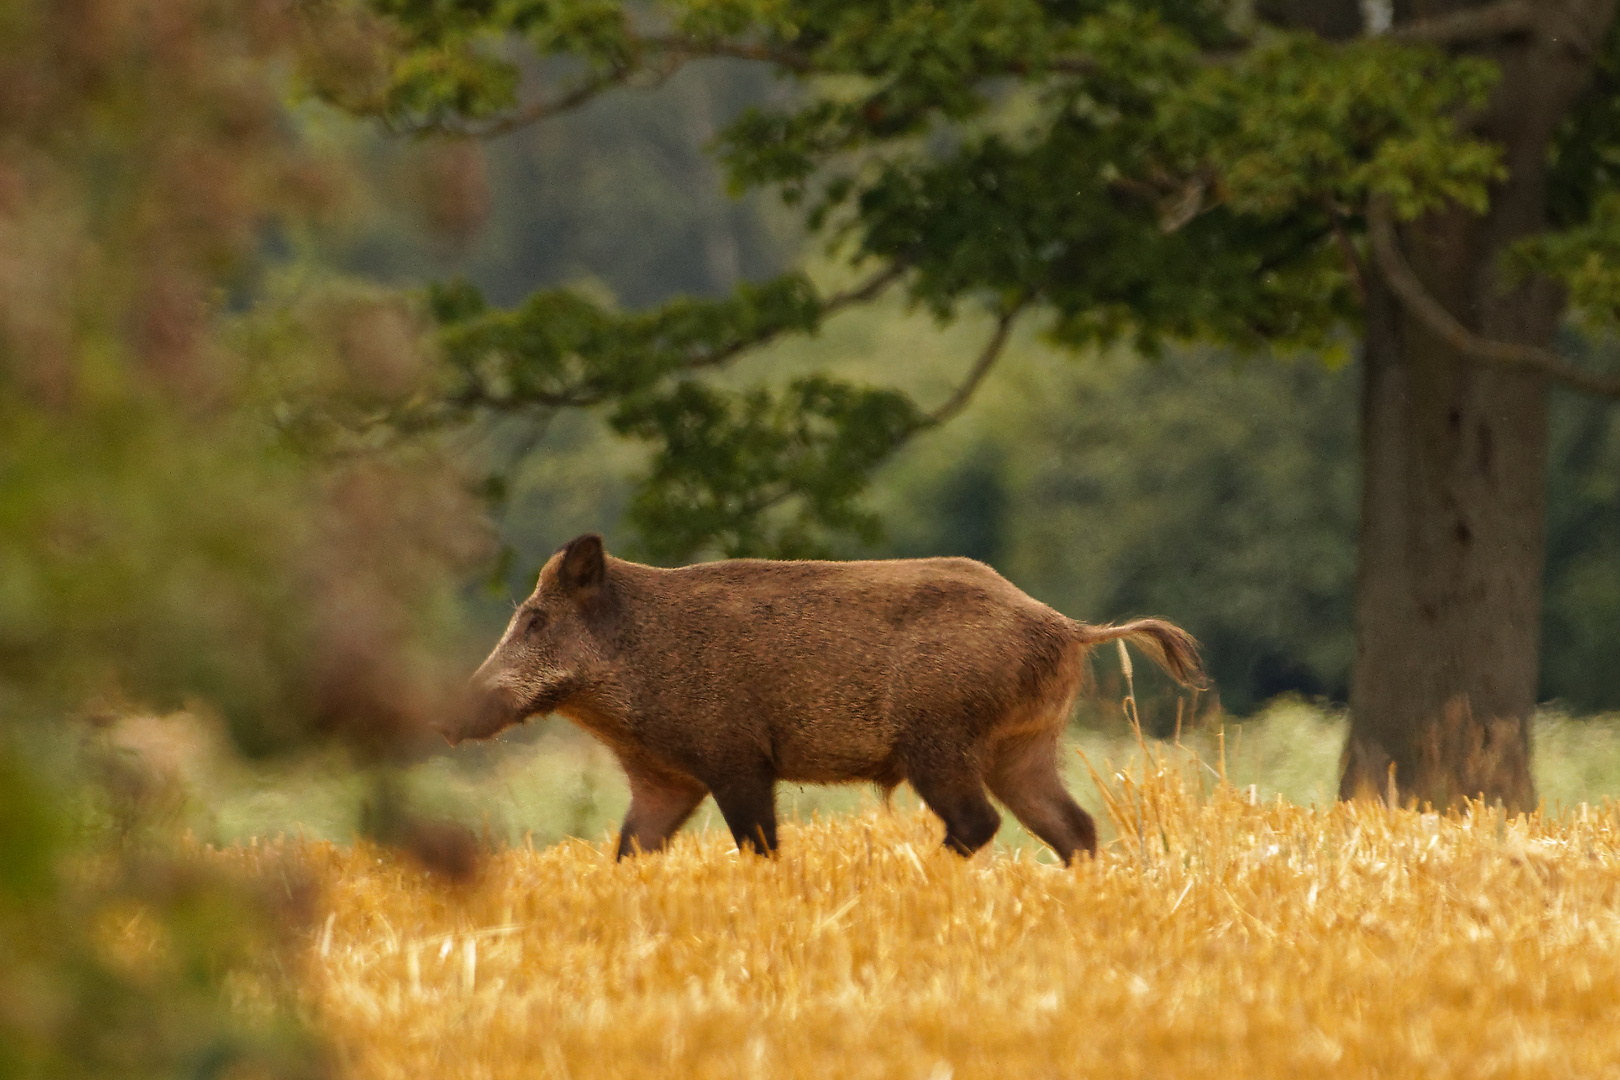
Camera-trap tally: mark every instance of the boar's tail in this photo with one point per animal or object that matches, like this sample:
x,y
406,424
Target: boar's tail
x,y
1173,648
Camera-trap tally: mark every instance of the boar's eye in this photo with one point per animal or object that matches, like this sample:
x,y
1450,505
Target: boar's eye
x,y
536,622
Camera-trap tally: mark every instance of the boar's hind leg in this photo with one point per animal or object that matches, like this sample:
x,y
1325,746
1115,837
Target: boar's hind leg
x,y
658,808
1024,777
957,796
748,803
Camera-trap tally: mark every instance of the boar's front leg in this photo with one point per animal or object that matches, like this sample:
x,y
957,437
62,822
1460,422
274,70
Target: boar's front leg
x,y
747,800
659,806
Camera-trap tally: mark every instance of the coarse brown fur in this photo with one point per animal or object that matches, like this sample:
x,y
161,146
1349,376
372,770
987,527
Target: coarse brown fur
x,y
726,677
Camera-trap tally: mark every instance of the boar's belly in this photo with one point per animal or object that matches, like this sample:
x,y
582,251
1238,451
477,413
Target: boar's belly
x,y
827,750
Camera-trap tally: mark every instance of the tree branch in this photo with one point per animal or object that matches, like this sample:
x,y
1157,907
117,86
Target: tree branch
x,y
870,289
1501,19
573,99
1422,305
1347,252
476,396
719,49
665,55
981,367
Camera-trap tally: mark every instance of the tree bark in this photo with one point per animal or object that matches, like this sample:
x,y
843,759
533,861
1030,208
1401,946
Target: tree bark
x,y
1449,578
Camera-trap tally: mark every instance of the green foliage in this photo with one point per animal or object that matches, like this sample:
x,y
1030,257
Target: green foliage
x,y
725,460
1299,121
722,459
1582,251
452,66
1585,258
561,348
1586,153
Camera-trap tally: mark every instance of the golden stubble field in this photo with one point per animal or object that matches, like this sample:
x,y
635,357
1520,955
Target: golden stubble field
x,y
1218,935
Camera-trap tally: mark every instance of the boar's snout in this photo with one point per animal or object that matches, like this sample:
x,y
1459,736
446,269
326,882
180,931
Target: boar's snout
x,y
481,712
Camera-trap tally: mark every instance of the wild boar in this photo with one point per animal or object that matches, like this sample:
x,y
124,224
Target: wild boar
x,y
725,677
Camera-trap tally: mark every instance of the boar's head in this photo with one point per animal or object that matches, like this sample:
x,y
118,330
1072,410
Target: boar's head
x,y
548,654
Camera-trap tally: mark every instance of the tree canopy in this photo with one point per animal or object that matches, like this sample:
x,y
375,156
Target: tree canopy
x,y
1151,172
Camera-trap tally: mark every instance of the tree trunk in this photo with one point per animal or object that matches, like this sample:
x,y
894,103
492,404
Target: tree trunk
x,y
1448,586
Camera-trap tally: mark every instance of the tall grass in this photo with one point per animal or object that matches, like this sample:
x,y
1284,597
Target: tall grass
x,y
1224,931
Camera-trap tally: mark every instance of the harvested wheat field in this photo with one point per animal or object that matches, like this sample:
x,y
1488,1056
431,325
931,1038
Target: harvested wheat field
x,y
1216,936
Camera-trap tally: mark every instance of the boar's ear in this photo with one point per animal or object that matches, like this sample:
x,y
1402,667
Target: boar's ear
x,y
583,564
